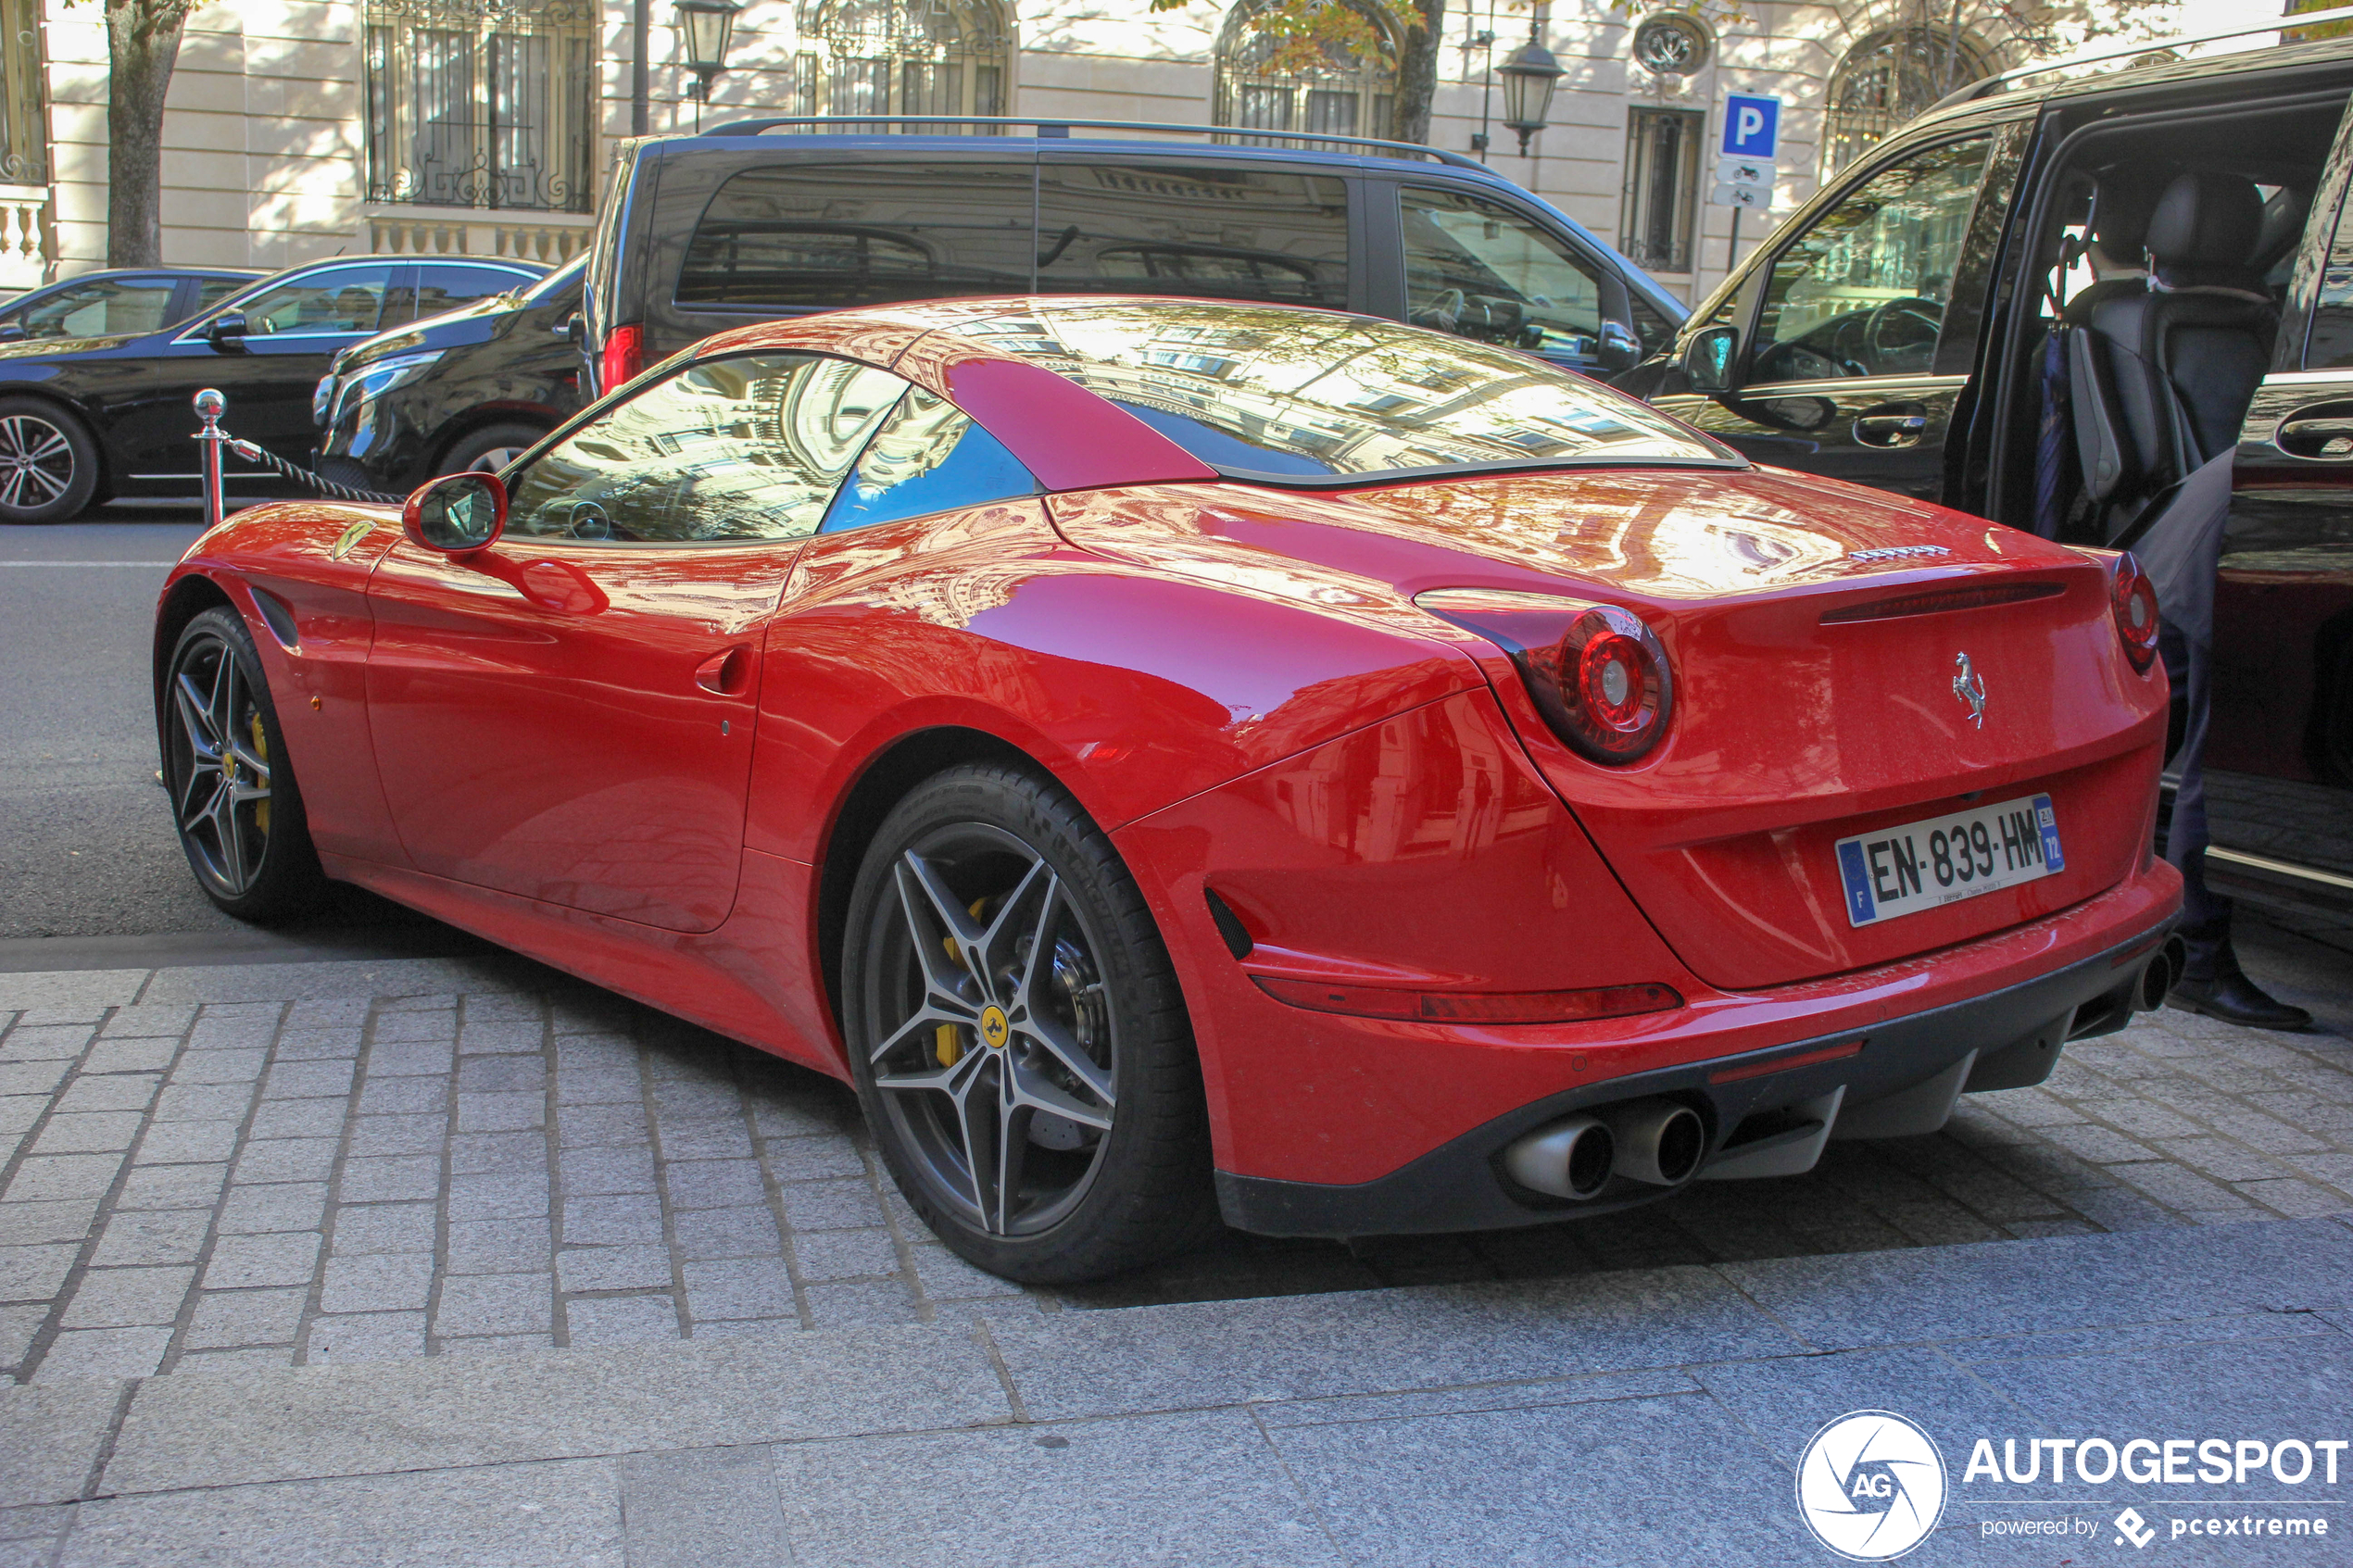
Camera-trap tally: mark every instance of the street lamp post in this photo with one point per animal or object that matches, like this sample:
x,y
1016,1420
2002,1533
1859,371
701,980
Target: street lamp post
x,y
709,27
1529,77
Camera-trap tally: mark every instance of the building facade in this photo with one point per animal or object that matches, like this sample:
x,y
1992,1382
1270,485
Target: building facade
x,y
299,129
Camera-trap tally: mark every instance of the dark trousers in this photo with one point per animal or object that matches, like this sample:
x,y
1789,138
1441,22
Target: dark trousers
x,y
2206,915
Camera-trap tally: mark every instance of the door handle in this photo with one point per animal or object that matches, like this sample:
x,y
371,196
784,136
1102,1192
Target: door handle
x,y
726,673
1892,424
2321,431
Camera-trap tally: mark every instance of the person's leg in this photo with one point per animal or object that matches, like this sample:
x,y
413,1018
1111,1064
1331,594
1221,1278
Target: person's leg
x,y
2211,981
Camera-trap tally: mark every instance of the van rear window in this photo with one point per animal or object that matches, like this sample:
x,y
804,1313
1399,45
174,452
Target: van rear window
x,y
1201,230
824,236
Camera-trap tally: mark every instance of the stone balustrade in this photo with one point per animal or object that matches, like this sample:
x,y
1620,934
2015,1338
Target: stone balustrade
x,y
547,238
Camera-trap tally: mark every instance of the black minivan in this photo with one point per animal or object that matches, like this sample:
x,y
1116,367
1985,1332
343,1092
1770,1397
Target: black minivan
x,y
2154,251
742,223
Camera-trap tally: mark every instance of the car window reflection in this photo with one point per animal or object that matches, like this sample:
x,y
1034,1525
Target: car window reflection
x,y
751,446
926,458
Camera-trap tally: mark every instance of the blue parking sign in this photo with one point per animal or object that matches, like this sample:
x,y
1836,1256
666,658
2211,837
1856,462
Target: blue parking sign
x,y
1752,125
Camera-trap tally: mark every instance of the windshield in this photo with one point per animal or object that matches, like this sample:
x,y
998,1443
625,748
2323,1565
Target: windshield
x,y
562,278
1304,397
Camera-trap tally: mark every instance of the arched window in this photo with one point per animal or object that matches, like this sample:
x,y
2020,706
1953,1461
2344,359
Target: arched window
x,y
1887,79
1348,92
904,57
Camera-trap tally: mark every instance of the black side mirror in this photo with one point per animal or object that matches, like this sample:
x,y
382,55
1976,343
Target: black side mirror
x,y
1620,349
13,331
226,331
1707,360
457,514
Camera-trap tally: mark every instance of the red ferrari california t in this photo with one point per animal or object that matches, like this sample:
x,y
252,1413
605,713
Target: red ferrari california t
x,y
1185,760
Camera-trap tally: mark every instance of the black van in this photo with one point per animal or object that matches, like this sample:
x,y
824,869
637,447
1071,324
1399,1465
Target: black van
x,y
470,388
2174,212
763,218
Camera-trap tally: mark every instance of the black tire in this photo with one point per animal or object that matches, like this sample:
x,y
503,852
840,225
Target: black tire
x,y
250,851
490,448
1121,1181
48,463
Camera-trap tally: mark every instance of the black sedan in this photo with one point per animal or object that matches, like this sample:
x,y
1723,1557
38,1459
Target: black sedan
x,y
83,418
130,299
468,389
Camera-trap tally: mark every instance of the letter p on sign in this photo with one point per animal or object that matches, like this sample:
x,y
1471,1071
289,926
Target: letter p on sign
x,y
1752,126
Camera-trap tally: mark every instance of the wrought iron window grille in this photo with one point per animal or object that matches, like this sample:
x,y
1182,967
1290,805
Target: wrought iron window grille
x,y
481,103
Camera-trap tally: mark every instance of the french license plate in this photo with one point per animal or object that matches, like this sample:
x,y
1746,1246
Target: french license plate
x,y
1901,871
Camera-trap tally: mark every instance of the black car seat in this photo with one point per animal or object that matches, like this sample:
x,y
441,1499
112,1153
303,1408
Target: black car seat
x,y
2166,372
2115,244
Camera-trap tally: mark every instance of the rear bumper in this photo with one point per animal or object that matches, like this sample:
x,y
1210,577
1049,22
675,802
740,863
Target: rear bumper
x,y
1460,1185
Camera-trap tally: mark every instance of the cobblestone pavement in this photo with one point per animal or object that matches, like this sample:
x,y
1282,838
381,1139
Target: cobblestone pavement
x,y
527,1163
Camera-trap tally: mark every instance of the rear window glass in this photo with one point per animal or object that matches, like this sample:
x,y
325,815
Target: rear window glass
x,y
823,236
1308,399
1194,230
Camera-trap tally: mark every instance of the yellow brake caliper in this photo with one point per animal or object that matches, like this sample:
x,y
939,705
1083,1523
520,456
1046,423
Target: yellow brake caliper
x,y
260,750
948,1039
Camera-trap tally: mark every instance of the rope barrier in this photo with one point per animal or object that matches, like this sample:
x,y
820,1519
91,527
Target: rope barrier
x,y
300,475
209,405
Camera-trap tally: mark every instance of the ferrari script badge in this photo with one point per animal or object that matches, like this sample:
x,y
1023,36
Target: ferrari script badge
x,y
1969,686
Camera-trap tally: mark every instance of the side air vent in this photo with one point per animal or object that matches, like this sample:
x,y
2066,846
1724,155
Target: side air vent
x,y
1229,926
280,616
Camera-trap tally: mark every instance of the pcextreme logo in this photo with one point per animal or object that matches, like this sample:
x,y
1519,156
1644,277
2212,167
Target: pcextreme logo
x,y
1870,1485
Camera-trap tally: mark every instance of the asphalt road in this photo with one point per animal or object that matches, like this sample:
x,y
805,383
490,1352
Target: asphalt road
x,y
86,846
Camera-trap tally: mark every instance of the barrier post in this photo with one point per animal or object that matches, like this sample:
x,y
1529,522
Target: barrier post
x,y
209,405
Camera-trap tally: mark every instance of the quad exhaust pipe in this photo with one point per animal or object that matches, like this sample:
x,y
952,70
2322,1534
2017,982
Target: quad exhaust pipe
x,y
1657,1142
1570,1158
2158,976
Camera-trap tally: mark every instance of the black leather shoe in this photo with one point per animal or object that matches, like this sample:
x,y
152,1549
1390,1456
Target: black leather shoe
x,y
2234,999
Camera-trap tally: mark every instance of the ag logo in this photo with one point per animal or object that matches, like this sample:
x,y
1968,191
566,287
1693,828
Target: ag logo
x,y
1870,1485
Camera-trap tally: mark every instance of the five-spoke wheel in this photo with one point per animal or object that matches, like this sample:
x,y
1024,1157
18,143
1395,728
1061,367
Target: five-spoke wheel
x,y
232,797
1017,1035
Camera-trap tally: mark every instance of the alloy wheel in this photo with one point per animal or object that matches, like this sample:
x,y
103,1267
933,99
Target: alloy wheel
x,y
496,460
996,1060
220,766
36,462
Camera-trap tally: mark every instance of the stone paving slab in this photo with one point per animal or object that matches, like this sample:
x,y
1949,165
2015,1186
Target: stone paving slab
x,y
1683,1454
1906,1297
1315,1346
245,1424
559,1515
287,1164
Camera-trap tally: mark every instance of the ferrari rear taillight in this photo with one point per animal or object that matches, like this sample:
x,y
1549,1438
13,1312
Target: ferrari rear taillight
x,y
624,357
1614,683
2133,598
1597,672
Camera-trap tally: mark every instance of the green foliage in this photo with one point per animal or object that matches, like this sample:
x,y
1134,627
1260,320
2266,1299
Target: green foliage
x,y
2325,30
